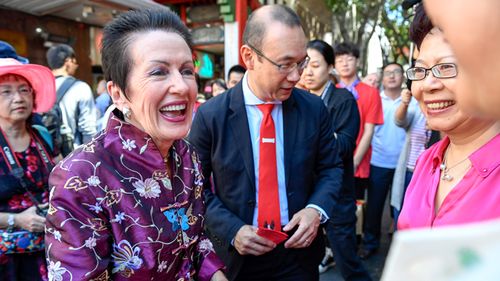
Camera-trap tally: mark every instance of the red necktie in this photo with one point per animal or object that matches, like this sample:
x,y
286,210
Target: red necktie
x,y
269,202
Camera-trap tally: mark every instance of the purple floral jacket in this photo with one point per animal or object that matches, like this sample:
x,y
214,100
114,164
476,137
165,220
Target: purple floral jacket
x,y
116,214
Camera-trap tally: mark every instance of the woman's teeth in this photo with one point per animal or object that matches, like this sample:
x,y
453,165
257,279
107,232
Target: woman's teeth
x,y
176,107
440,105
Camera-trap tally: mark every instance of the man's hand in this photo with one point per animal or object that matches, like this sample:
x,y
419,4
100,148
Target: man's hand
x,y
247,242
405,96
308,220
218,276
356,161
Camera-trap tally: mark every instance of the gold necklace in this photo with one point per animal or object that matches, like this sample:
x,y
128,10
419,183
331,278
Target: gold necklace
x,y
445,170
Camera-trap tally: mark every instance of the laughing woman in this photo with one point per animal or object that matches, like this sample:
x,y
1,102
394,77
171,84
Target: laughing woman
x,y
457,180
128,205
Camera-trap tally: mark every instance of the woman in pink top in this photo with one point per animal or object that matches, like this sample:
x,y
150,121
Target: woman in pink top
x,y
458,179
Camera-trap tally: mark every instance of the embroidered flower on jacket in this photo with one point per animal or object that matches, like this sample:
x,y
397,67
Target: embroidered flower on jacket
x,y
147,189
205,246
94,181
129,144
57,235
198,179
126,257
119,217
95,208
56,271
162,266
90,243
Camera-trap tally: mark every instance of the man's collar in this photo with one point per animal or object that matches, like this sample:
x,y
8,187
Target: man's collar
x,y
249,96
352,80
384,96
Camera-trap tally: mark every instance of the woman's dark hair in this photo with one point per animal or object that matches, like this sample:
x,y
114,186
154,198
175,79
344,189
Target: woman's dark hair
x,y
347,48
420,26
324,49
118,35
220,82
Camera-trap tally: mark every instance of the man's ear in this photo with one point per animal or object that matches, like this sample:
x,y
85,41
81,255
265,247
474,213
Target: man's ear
x,y
117,95
66,65
248,56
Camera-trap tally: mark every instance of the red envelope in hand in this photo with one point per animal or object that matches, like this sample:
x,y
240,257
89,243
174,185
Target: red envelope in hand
x,y
276,236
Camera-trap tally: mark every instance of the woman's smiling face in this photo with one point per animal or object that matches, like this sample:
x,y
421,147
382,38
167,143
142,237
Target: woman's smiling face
x,y
437,95
161,87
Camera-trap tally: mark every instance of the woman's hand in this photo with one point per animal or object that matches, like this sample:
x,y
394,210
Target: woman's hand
x,y
218,276
30,220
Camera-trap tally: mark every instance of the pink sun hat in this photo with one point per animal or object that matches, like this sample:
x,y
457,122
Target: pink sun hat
x,y
40,78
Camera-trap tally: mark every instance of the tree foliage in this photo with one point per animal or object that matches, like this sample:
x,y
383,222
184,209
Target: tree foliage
x,y
356,21
395,23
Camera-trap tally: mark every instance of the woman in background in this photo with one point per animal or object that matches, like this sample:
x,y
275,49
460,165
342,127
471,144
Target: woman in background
x,y
26,161
343,109
218,87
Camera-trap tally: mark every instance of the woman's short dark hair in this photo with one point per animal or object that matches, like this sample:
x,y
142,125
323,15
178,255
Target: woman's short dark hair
x,y
347,48
420,26
324,49
116,61
220,82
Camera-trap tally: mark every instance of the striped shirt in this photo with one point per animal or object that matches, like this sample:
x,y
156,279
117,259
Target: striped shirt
x,y
419,136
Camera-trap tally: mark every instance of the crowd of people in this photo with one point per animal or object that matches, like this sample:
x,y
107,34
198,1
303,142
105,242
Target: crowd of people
x,y
154,180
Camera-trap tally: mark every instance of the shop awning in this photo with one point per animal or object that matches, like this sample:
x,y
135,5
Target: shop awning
x,y
93,12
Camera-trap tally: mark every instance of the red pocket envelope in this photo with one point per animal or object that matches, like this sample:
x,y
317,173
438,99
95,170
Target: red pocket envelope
x,y
273,235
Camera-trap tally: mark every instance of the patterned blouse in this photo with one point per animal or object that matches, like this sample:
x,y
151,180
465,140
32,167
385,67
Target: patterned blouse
x,y
14,199
115,213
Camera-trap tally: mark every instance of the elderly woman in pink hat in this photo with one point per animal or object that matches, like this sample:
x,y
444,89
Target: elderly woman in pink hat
x,y
26,160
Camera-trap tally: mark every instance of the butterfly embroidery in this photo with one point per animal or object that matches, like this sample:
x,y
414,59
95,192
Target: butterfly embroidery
x,y
178,218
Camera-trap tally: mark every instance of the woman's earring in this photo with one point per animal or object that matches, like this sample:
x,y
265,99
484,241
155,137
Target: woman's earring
x,y
126,112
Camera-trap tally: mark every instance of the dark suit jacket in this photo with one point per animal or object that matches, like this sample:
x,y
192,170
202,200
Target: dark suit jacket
x,y
313,169
344,115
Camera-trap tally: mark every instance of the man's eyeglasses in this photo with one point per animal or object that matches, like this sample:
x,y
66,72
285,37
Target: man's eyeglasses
x,y
440,70
284,68
9,92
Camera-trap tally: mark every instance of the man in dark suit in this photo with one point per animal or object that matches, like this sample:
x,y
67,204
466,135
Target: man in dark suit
x,y
307,169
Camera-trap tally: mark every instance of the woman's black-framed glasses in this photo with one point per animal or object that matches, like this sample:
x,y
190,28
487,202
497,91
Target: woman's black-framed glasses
x,y
440,70
284,68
